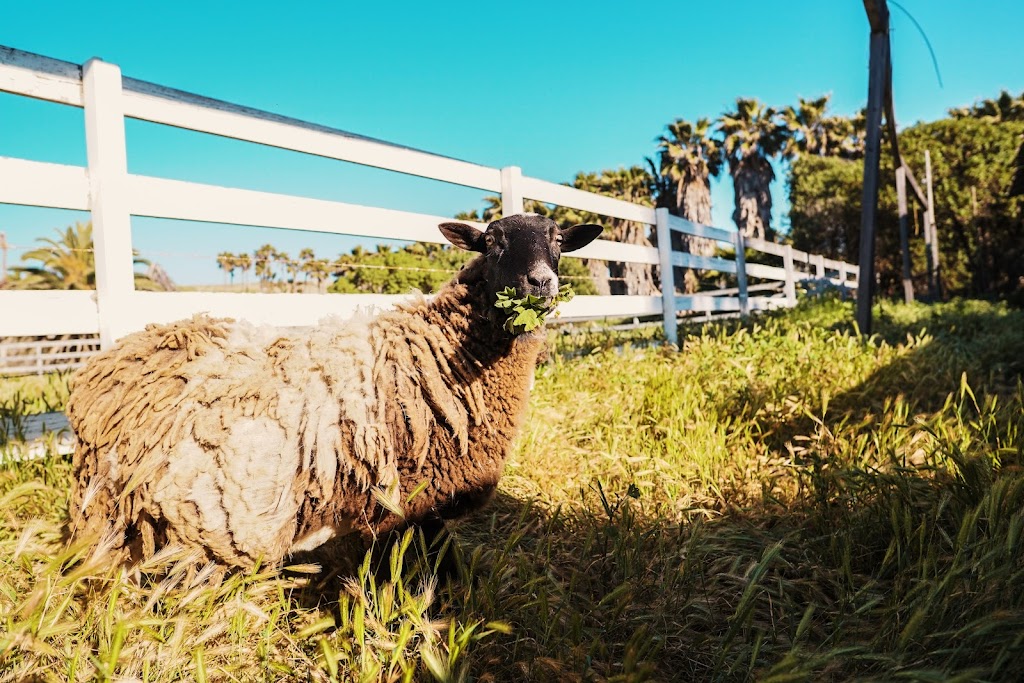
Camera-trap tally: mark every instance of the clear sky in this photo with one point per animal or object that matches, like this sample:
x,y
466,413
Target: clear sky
x,y
553,87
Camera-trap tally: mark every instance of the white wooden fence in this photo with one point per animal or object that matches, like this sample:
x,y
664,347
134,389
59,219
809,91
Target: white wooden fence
x,y
112,195
41,356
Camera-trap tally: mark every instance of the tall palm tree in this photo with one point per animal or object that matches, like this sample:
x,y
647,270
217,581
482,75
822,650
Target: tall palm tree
x,y
68,262
809,130
689,157
226,262
244,262
262,260
636,185
752,136
306,258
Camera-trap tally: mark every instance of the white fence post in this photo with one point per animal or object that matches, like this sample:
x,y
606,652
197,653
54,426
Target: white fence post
x,y
787,262
741,272
511,190
108,171
668,283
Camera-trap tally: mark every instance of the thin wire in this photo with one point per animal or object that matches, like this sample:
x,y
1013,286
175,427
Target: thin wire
x,y
928,43
330,265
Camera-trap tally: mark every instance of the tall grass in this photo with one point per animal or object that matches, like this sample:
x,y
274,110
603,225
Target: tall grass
x,y
777,500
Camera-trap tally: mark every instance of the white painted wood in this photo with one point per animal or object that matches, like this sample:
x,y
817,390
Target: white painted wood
x,y
697,262
607,250
563,195
667,275
790,275
766,272
151,102
690,228
740,241
703,303
32,75
163,198
511,190
43,312
36,183
587,306
818,261
765,246
299,310
108,171
285,310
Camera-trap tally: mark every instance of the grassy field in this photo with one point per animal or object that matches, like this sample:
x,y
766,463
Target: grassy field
x,y
778,501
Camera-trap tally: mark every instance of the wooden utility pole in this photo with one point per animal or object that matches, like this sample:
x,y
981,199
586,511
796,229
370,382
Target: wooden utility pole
x,y
901,199
931,234
878,84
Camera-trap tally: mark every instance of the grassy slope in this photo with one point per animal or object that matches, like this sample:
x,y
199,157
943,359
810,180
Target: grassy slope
x,y
780,501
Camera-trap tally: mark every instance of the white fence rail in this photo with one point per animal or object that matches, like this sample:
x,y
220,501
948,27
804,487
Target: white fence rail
x,y
40,356
112,195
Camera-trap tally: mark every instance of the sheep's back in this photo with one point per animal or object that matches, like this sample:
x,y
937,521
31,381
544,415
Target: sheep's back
x,y
212,433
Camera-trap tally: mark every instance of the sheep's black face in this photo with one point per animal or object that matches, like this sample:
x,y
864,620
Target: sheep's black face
x,y
521,251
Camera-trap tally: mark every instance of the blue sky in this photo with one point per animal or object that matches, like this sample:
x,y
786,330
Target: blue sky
x,y
552,87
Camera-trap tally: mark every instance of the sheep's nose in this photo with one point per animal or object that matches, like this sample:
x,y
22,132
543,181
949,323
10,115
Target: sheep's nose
x,y
539,281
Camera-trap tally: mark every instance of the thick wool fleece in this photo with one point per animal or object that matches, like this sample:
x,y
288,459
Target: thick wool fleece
x,y
250,443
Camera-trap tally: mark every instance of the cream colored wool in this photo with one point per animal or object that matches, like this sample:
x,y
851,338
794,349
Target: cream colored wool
x,y
250,442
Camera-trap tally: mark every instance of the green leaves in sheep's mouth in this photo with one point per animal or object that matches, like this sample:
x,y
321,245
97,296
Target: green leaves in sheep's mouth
x,y
528,313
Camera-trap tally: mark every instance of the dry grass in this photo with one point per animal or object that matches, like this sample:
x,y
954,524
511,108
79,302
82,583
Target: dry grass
x,y
781,501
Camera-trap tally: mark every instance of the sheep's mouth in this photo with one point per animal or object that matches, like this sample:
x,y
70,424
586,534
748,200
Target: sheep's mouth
x,y
528,313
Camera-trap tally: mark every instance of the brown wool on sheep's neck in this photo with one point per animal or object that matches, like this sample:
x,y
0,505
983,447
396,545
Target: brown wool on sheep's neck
x,y
250,443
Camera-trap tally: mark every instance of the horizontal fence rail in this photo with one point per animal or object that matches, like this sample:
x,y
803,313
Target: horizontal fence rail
x,y
112,195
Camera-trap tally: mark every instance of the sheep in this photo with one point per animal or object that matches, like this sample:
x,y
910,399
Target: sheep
x,y
249,444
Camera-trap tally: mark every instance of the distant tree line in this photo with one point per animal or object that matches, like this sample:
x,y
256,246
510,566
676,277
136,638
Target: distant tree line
x,y
978,175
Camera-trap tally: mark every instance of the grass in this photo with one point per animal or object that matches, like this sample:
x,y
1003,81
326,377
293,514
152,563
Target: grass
x,y
778,501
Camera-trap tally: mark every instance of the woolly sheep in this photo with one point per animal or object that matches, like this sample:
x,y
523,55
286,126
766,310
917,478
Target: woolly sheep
x,y
252,443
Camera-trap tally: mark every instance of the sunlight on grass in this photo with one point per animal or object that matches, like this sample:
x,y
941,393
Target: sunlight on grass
x,y
778,500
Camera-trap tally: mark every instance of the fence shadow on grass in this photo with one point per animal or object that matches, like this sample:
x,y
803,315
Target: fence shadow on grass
x,y
960,341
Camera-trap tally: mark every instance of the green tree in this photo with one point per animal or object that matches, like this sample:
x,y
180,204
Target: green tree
x,y
397,271
825,201
1006,107
980,221
68,262
752,135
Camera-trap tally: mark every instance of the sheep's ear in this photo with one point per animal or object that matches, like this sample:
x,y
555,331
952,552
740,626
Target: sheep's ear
x,y
464,236
579,236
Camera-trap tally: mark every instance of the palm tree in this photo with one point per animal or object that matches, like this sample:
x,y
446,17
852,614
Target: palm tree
x,y
226,262
318,269
636,185
810,131
68,262
262,259
1006,107
289,269
689,158
752,135
306,258
244,263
